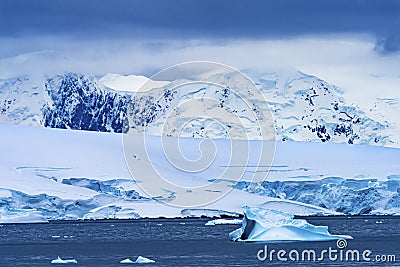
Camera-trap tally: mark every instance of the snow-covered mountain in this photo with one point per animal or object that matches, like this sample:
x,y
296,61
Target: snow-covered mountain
x,y
307,108
21,100
304,108
43,176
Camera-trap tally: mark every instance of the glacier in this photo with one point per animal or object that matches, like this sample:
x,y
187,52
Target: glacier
x,y
61,174
267,225
21,216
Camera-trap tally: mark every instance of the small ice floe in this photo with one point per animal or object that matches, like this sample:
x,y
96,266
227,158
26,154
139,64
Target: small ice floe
x,y
379,222
61,261
182,223
260,224
224,221
139,259
127,261
159,224
55,236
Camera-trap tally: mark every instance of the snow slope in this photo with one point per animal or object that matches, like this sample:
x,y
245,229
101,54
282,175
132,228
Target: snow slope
x,y
65,174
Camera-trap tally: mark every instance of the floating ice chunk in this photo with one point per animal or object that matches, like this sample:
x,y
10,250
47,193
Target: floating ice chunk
x,y
224,221
141,259
127,261
61,261
260,224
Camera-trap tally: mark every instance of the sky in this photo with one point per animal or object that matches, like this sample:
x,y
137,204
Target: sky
x,y
353,44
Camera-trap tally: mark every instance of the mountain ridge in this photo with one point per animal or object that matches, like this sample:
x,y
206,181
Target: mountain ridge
x,y
304,108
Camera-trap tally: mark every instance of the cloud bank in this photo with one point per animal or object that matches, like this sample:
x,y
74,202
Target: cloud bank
x,y
354,44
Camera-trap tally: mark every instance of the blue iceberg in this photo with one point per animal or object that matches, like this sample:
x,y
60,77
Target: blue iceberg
x,y
267,225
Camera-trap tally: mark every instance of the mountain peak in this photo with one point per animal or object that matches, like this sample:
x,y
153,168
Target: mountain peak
x,y
130,83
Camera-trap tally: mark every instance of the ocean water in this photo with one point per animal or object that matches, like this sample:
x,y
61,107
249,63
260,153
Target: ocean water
x,y
183,242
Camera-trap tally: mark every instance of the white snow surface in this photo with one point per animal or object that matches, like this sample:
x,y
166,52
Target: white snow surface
x,y
130,83
53,170
260,225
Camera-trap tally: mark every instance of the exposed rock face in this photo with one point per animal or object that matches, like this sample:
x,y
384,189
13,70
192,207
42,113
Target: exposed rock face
x,y
81,103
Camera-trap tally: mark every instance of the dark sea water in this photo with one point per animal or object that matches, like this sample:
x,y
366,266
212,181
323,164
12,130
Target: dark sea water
x,y
183,242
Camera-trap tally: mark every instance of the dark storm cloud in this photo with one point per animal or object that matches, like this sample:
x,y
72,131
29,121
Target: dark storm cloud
x,y
202,19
